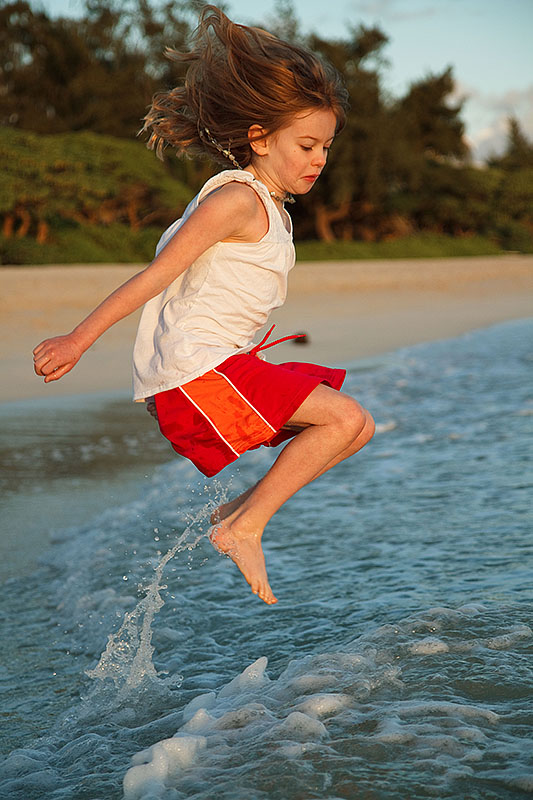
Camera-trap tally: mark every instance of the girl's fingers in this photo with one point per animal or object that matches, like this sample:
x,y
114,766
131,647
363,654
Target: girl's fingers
x,y
44,366
36,350
38,366
151,408
40,354
40,363
57,373
53,358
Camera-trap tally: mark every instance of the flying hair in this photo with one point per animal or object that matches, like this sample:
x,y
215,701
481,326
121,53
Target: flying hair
x,y
238,76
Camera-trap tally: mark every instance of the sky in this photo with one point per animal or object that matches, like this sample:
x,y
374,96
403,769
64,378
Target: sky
x,y
488,43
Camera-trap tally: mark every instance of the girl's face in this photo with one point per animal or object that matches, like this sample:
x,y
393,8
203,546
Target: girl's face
x,y
292,159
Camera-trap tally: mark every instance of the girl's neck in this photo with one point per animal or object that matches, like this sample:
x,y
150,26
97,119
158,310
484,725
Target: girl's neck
x,y
278,194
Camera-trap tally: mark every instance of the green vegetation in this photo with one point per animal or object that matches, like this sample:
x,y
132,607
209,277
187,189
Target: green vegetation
x,y
82,178
116,243
85,244
83,197
76,185
423,245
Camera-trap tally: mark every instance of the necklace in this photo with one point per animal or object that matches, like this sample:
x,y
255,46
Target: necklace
x,y
287,198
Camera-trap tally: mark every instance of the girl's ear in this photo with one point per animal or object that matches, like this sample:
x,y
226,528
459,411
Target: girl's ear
x,y
258,139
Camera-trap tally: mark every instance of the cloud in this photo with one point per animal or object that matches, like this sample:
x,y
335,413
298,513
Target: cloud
x,y
513,101
486,115
488,141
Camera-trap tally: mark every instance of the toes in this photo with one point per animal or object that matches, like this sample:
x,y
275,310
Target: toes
x,y
266,594
216,538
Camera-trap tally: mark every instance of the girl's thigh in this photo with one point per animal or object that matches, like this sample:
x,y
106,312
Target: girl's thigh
x,y
323,406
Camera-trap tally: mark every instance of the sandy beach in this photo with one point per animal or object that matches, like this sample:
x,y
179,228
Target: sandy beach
x,y
349,310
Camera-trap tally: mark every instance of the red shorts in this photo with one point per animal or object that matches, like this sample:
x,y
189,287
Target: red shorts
x,y
238,406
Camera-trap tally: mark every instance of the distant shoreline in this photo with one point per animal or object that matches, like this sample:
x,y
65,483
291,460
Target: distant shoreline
x,y
349,309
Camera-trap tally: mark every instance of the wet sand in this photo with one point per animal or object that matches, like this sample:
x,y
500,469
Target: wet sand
x,y
349,309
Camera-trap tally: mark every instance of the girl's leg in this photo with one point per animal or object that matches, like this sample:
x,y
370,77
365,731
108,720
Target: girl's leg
x,y
334,426
225,509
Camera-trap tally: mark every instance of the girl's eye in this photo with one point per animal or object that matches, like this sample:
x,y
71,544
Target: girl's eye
x,y
306,148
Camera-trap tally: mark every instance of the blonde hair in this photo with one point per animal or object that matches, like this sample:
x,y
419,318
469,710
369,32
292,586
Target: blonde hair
x,y
238,76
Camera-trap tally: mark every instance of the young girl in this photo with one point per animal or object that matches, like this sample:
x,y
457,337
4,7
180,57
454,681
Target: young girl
x,y
268,110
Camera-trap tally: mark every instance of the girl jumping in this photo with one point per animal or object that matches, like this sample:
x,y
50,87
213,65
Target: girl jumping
x,y
269,111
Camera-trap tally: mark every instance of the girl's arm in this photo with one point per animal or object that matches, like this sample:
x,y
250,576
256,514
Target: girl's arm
x,y
234,213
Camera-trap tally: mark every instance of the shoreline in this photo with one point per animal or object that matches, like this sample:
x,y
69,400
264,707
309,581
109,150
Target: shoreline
x,y
349,309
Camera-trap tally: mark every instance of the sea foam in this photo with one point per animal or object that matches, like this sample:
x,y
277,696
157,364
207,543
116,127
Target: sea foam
x,y
365,694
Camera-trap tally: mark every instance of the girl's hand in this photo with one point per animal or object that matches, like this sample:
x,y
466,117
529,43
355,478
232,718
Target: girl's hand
x,y
53,358
151,407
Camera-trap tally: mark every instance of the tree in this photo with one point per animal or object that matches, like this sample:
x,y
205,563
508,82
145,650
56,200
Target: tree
x,y
519,151
352,184
96,73
61,75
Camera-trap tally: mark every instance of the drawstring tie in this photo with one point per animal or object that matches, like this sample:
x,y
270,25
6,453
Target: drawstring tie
x,y
263,346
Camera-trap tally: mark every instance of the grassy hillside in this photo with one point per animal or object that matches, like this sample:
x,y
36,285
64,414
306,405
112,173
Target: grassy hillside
x,y
83,197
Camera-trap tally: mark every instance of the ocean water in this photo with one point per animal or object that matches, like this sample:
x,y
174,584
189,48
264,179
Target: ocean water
x,y
397,663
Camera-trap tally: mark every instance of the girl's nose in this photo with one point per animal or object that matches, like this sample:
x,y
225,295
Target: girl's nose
x,y
320,159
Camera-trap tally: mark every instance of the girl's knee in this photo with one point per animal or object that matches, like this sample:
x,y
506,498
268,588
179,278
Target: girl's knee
x,y
360,425
369,427
351,416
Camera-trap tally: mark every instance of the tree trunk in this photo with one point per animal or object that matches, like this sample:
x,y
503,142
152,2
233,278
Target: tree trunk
x,y
325,216
25,218
133,216
322,224
42,231
8,225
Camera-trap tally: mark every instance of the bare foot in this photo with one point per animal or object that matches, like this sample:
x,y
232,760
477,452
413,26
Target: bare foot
x,y
246,552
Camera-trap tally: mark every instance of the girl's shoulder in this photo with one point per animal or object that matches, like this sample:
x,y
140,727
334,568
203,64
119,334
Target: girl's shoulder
x,y
234,193
231,188
232,178
279,223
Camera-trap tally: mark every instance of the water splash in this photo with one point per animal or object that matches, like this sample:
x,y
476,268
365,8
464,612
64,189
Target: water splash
x,y
127,658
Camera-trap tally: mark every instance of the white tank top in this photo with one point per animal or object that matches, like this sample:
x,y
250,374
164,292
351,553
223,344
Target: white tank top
x,y
213,309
